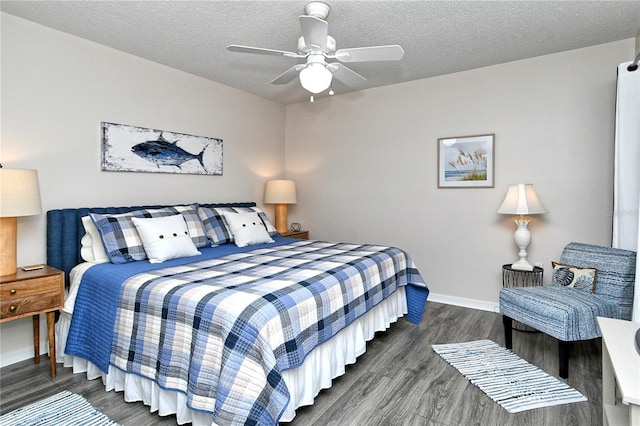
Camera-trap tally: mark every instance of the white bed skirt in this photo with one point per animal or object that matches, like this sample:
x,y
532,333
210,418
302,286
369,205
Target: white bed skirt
x,y
323,364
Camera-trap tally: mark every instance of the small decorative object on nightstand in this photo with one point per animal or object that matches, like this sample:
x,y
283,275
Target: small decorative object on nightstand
x,y
300,234
29,294
518,278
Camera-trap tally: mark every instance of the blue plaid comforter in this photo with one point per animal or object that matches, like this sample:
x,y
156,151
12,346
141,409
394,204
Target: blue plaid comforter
x,y
221,330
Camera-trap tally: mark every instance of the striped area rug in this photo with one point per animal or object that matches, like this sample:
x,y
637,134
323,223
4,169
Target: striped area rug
x,y
506,378
64,408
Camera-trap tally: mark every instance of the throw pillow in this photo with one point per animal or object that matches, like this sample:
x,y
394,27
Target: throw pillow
x,y
218,230
214,226
92,249
247,228
263,217
120,238
165,238
574,277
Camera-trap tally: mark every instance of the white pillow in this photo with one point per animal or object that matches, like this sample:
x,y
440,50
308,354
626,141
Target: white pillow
x,y
86,249
165,238
92,249
247,229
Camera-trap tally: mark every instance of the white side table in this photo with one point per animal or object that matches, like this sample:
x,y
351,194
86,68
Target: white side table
x,y
621,369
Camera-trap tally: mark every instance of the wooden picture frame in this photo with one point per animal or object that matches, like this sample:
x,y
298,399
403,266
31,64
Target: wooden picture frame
x,y
466,161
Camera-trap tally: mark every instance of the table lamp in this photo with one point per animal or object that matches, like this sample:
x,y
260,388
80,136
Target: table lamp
x,y
281,193
19,196
521,199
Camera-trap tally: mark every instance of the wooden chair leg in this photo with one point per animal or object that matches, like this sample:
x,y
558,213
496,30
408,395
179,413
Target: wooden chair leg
x,y
508,331
564,348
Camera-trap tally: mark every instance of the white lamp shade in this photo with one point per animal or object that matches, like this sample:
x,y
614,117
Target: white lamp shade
x,y
315,78
280,192
19,193
522,199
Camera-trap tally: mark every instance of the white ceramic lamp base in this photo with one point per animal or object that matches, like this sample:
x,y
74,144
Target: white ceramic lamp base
x,y
522,238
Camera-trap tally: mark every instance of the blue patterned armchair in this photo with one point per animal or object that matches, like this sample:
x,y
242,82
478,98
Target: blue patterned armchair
x,y
569,314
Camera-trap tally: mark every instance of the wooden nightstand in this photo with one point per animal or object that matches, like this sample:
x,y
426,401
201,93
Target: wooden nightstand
x,y
302,235
32,293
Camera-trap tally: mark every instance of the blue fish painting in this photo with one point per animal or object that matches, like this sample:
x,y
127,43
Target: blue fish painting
x,y
164,153
139,149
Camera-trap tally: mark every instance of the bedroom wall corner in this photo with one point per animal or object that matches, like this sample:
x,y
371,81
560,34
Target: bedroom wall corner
x,y
57,89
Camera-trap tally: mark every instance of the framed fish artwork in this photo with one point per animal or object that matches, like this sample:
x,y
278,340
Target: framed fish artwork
x,y
138,149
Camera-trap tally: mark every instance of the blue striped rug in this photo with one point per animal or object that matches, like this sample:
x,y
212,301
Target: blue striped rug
x,y
506,378
64,408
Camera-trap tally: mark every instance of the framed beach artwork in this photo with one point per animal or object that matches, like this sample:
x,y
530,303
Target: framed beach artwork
x,y
139,149
466,161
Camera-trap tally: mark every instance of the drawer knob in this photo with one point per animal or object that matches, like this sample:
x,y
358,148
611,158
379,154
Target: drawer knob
x,y
12,308
13,291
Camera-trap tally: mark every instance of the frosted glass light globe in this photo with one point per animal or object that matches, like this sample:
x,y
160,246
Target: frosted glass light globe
x,y
315,78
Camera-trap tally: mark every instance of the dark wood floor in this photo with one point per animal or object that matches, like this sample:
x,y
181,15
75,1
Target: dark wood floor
x,y
398,381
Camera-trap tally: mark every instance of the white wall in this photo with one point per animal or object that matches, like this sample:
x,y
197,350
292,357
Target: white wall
x,y
57,89
365,164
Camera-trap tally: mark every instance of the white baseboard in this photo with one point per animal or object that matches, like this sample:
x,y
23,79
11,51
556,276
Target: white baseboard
x,y
23,354
483,305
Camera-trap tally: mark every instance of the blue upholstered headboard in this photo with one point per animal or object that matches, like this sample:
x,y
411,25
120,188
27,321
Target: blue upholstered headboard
x,y
65,230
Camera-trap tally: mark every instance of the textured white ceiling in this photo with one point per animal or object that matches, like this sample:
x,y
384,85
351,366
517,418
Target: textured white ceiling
x,y
439,37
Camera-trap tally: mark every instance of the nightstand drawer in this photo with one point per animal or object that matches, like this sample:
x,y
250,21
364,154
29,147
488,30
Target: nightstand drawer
x,y
31,293
25,288
30,304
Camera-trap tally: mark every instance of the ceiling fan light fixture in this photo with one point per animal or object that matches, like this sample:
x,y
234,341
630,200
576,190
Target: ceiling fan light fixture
x,y
315,78
316,46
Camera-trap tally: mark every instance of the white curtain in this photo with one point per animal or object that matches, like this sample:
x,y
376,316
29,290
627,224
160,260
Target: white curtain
x,y
626,222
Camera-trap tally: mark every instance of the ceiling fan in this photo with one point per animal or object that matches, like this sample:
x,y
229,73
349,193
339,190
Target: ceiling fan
x,y
317,46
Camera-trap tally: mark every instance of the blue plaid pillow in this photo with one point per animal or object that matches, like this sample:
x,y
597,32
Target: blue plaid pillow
x,y
120,238
214,226
217,229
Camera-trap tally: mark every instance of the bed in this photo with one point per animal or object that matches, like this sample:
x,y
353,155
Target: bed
x,y
233,334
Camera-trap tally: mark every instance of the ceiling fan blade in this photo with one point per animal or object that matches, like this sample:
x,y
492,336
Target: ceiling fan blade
x,y
346,75
289,74
262,51
373,53
314,32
